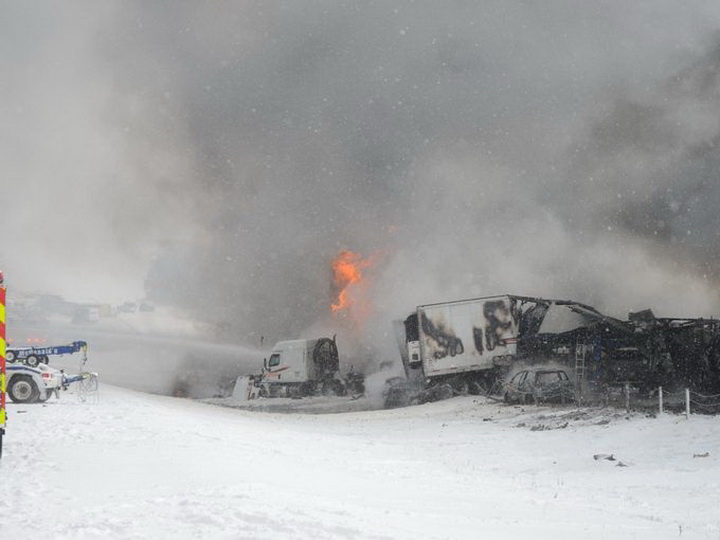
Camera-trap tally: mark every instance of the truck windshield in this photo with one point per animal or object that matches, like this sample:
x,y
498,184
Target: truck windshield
x,y
274,360
412,333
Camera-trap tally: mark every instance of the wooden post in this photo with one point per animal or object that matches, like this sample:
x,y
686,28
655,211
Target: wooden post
x,y
687,403
660,399
627,397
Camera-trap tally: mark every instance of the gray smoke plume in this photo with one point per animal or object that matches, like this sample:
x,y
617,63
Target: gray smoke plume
x,y
218,156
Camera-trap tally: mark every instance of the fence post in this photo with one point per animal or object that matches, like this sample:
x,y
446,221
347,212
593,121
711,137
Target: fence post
x,y
687,403
660,399
627,397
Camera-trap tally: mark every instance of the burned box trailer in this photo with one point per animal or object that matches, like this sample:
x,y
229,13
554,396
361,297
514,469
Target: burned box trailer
x,y
461,342
470,344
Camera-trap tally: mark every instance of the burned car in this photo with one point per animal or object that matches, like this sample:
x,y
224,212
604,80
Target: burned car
x,y
537,385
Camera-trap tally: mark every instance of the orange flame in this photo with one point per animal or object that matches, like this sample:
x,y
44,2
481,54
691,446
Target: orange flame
x,y
347,271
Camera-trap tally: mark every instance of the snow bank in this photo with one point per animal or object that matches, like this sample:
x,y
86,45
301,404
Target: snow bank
x,y
141,466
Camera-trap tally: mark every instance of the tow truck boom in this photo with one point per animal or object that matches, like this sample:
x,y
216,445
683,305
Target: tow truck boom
x,y
32,356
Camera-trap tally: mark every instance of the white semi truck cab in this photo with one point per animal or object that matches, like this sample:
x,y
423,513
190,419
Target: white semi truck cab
x,y
302,367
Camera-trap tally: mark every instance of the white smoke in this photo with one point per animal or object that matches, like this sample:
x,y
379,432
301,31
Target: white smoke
x,y
228,151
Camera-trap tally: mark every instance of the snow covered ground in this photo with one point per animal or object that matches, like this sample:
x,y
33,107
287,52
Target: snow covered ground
x,y
134,465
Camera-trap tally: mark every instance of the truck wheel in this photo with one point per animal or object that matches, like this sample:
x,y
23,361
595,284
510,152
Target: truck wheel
x,y
339,388
357,390
307,389
22,389
331,387
10,357
32,360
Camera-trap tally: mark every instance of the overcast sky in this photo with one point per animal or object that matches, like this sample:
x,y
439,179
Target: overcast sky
x,y
230,150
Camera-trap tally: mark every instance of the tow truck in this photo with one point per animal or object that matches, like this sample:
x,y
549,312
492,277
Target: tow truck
x,y
31,380
33,356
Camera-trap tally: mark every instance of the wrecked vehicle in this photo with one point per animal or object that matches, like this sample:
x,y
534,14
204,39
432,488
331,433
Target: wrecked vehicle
x,y
472,344
301,367
643,352
459,343
680,352
539,385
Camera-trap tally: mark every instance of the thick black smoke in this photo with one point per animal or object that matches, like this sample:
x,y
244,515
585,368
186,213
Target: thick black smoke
x,y
221,154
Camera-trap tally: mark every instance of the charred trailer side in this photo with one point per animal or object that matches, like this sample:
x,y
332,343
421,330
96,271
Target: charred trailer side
x,y
684,353
463,344
302,367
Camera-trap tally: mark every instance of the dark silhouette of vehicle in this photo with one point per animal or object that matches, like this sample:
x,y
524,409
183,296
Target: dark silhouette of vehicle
x,y
355,383
537,385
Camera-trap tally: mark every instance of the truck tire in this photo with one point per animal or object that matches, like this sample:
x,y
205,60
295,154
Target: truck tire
x,y
339,388
10,357
331,387
307,389
327,389
32,360
22,389
356,390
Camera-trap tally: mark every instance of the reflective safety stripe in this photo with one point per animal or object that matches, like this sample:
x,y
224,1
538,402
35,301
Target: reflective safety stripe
x,y
2,358
2,407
